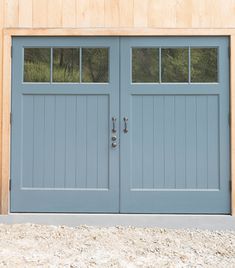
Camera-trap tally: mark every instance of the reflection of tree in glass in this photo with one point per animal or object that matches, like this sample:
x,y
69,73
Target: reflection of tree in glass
x,y
37,64
66,63
145,63
204,64
95,64
174,65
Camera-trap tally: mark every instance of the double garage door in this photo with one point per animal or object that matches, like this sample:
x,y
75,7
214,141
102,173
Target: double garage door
x,y
120,125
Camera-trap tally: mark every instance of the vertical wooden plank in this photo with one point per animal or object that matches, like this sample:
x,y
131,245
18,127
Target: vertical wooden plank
x,y
126,14
55,13
81,146
169,132
96,9
213,143
180,141
159,144
161,13
12,13
202,142
111,13
184,13
70,156
60,132
103,142
69,13
38,141
25,13
148,141
5,172
92,143
140,13
28,141
83,14
137,140
49,152
2,15
40,10
232,105
191,142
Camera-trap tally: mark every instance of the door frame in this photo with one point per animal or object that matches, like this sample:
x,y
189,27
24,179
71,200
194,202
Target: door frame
x,y
5,88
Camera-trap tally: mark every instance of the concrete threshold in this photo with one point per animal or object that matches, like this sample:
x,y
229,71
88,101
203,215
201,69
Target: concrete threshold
x,y
206,222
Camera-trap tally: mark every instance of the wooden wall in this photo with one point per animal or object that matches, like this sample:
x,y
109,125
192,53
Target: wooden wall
x,y
135,17
119,13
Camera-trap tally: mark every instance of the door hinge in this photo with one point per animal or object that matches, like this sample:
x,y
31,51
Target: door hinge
x,y
230,185
229,119
11,51
10,117
229,52
10,185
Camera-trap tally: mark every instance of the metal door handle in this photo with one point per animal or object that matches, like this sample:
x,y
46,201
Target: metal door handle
x,y
114,144
114,124
125,119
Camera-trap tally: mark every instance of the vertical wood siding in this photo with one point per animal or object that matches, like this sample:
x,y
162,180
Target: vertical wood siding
x,y
119,13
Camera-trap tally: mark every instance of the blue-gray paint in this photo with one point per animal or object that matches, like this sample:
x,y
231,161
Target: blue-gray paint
x,y
174,158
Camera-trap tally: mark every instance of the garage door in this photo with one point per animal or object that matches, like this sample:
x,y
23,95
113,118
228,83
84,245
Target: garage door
x,y
130,125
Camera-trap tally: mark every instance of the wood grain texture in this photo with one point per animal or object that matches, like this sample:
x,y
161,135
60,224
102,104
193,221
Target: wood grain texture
x,y
120,13
232,111
25,13
6,92
1,76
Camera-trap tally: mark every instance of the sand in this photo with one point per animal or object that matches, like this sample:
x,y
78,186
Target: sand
x,y
31,245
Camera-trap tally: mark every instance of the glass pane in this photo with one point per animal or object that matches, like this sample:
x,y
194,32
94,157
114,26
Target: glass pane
x,y
66,62
145,65
174,65
204,65
37,64
95,65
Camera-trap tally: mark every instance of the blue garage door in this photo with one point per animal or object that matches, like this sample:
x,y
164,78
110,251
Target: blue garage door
x,y
163,102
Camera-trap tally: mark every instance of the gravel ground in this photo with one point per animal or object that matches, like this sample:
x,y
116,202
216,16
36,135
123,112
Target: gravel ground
x,y
30,245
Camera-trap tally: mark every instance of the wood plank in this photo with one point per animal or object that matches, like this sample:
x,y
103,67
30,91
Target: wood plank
x,y
117,32
11,13
126,15
69,13
83,15
5,172
140,10
232,105
111,13
40,10
183,13
54,13
162,13
25,13
96,10
1,84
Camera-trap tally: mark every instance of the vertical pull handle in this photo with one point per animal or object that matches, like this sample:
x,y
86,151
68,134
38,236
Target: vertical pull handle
x,y
125,119
114,124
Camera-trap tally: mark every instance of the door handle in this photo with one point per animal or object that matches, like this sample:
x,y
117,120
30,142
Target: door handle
x,y
114,124
125,119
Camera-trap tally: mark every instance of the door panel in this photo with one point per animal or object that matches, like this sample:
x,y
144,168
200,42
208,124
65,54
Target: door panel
x,y
62,159
175,156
